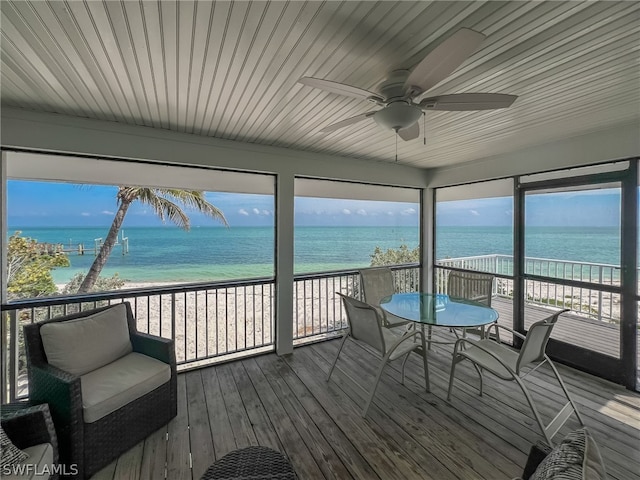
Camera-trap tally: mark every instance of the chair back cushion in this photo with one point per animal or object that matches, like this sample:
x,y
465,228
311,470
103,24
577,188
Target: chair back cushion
x,y
84,344
364,323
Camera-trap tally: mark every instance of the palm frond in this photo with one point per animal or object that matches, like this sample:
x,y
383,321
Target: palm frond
x,y
166,203
196,200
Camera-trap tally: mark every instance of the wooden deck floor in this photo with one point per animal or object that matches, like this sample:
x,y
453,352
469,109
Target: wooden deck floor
x,y
285,403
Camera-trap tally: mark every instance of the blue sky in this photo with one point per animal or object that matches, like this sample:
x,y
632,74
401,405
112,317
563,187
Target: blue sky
x,y
43,204
36,204
594,208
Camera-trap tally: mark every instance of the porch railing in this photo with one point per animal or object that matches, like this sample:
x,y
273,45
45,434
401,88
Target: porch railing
x,y
589,302
209,322
317,309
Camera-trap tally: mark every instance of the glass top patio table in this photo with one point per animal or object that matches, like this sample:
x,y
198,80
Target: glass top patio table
x,y
438,310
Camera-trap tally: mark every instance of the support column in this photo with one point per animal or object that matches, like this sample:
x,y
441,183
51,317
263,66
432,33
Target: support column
x,y
285,193
3,228
427,242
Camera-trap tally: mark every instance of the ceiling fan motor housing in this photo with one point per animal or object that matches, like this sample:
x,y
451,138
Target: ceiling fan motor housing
x,y
397,115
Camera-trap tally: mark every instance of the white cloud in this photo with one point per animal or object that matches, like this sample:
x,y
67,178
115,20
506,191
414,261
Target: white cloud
x,y
85,214
256,211
242,211
266,212
107,212
390,214
361,211
346,211
474,212
408,211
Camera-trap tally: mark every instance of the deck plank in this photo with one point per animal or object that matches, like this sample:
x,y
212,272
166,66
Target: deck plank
x,y
292,443
219,421
200,438
178,448
344,449
238,417
154,455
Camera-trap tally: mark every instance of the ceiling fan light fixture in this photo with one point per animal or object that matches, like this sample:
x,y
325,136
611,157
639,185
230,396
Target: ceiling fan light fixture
x,y
397,115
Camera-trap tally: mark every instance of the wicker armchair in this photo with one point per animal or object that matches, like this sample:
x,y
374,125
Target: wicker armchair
x,y
30,428
94,442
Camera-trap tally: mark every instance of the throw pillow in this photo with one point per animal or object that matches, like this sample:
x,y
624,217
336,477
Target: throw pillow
x,y
575,458
9,453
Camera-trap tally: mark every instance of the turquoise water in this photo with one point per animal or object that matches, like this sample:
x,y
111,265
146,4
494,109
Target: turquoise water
x,y
578,244
169,254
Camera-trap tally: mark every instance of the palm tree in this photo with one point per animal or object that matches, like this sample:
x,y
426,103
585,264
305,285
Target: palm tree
x,y
163,202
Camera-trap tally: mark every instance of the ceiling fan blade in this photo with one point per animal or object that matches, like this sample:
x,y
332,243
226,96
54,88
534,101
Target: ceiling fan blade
x,y
410,133
335,87
347,121
468,101
444,59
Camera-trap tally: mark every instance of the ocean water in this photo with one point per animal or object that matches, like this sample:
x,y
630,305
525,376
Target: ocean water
x,y
169,254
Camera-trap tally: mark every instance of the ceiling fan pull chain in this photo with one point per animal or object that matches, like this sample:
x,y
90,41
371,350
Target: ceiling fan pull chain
x,y
396,146
424,130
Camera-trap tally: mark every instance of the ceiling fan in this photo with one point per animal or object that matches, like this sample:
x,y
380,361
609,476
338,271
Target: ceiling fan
x,y
400,94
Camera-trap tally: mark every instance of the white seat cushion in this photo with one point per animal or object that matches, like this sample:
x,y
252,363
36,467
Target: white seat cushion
x,y
38,465
84,344
107,389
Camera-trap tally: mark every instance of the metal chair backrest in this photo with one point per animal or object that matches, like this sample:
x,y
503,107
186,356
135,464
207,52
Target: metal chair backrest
x,y
364,323
535,343
376,284
471,286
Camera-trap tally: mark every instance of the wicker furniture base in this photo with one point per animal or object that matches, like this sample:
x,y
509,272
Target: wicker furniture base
x,y
27,426
252,463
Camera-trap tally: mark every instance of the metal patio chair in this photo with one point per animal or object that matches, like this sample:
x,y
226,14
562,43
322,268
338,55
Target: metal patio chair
x,y
376,284
507,364
471,286
365,327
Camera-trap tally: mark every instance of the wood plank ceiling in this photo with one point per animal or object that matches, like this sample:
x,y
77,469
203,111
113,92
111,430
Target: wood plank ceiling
x,y
230,69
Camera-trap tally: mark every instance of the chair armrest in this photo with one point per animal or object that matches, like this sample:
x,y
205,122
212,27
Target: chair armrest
x,y
60,389
31,426
156,347
537,454
510,330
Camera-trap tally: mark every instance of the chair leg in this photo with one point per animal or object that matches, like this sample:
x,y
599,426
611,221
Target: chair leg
x,y
527,395
479,370
566,392
425,361
344,339
375,386
404,362
454,362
